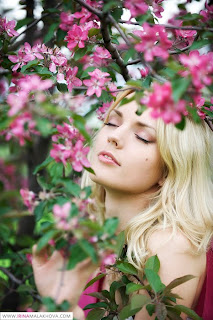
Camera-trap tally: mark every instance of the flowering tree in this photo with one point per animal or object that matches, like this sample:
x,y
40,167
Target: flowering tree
x,y
49,88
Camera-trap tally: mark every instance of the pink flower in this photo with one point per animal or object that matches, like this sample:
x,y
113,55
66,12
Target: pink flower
x,y
208,13
97,82
101,56
79,159
20,59
71,78
107,260
67,20
162,104
144,72
60,153
200,67
61,215
32,53
102,111
149,37
136,7
84,15
8,27
34,83
29,199
21,128
76,37
16,102
29,257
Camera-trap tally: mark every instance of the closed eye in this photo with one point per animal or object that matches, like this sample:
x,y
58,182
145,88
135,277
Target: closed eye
x,y
110,124
144,140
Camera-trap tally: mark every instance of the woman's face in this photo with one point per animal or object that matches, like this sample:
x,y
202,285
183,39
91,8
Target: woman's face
x,y
125,156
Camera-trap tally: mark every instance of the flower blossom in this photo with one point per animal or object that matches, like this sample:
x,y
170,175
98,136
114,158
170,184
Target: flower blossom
x,y
67,20
207,14
61,153
8,27
79,159
102,111
97,82
200,67
101,56
71,78
140,7
29,199
149,37
21,128
162,104
76,37
62,217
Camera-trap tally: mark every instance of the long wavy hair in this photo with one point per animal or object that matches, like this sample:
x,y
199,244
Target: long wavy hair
x,y
184,202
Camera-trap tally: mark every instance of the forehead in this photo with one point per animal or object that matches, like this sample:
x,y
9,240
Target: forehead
x,y
128,113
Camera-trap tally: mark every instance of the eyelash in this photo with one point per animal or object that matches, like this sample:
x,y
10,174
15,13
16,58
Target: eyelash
x,y
137,136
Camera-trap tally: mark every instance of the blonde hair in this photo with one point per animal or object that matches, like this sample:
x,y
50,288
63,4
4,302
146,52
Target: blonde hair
x,y
184,202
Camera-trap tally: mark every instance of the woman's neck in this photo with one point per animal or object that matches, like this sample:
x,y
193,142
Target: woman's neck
x,y
124,206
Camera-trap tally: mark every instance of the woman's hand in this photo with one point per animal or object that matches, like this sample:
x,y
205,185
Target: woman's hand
x,y
53,280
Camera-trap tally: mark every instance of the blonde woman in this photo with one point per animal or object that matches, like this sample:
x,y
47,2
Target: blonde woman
x,y
157,180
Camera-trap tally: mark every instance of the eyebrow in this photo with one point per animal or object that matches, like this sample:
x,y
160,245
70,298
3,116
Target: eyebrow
x,y
141,124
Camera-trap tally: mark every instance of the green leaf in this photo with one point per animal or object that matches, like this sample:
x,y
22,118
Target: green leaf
x,y
98,295
43,71
30,64
138,301
126,267
70,186
96,305
120,243
153,263
79,122
43,241
111,225
129,54
95,314
93,32
94,280
150,309
24,288
132,287
39,210
190,17
135,83
90,170
80,53
50,34
89,249
178,282
117,13
199,44
23,22
114,287
181,124
192,314
154,280
77,254
62,87
44,126
41,166
179,87
115,67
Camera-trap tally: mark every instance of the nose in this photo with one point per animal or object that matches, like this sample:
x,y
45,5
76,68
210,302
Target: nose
x,y
115,138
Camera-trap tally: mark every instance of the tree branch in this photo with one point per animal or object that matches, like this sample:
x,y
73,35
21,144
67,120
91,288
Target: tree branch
x,y
10,275
31,25
169,26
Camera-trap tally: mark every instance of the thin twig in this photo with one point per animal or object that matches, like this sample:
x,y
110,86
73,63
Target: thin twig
x,y
34,23
10,275
116,25
169,26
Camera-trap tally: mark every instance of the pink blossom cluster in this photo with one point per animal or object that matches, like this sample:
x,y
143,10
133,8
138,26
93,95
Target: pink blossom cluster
x,y
24,87
99,58
154,42
68,19
72,148
102,111
97,82
161,102
207,14
8,27
183,38
199,67
29,199
25,54
21,128
77,35
62,217
140,7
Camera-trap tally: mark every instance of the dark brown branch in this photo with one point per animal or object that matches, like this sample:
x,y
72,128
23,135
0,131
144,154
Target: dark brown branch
x,y
116,25
169,26
10,275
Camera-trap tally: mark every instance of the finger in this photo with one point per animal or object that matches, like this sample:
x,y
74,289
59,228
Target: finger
x,y
39,257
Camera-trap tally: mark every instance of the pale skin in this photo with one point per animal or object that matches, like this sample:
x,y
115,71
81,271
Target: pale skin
x,y
128,183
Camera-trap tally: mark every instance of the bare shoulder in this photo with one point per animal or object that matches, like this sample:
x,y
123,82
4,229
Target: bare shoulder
x,y
177,250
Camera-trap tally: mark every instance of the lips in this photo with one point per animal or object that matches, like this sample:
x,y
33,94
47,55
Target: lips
x,y
108,157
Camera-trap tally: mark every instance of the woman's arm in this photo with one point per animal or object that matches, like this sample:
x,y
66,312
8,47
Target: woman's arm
x,y
176,260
